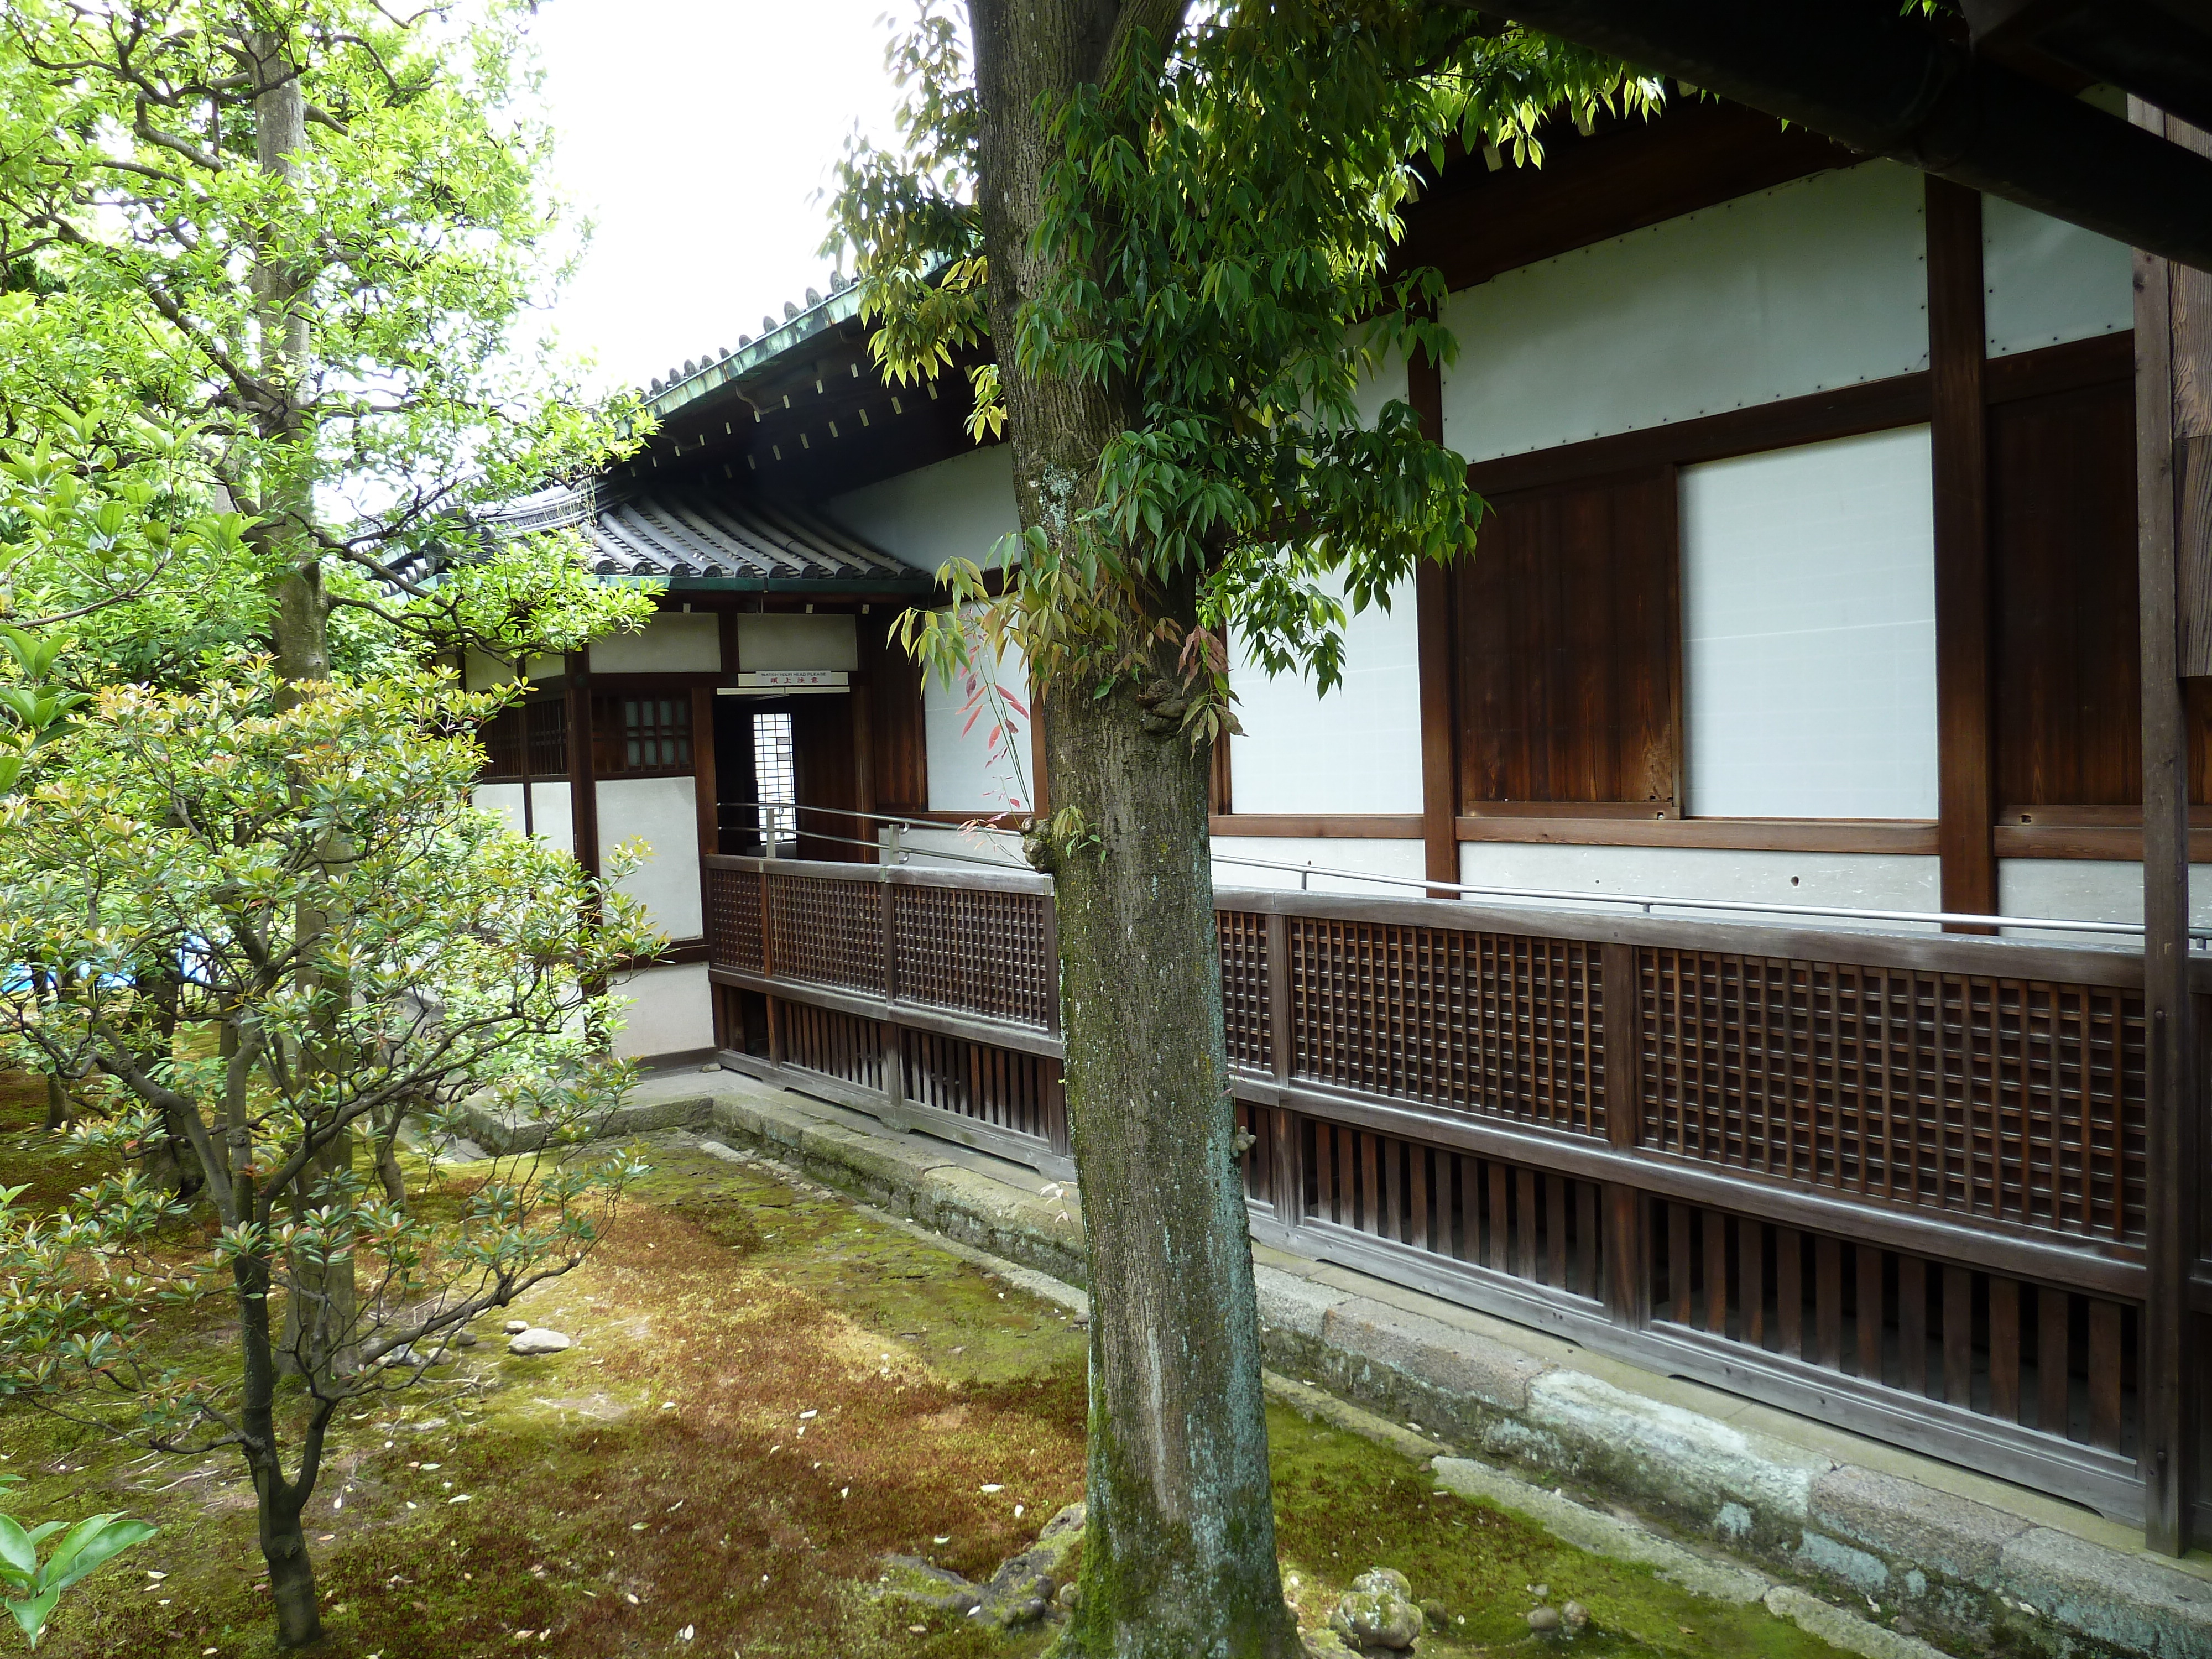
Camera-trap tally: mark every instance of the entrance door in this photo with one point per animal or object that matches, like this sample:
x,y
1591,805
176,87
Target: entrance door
x,y
780,761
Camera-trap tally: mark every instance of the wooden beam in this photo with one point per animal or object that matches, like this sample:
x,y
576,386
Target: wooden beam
x,y
1959,446
1425,392
2169,411
583,793
1324,826
705,792
1886,84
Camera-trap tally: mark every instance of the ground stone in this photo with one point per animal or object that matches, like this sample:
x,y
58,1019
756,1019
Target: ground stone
x,y
534,1340
515,1327
2125,1600
1906,1522
1378,1612
1543,1620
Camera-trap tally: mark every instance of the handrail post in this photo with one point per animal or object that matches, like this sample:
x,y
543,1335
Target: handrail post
x,y
1618,1008
1290,1185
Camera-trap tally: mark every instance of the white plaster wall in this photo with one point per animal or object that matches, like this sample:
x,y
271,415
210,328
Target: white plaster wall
x,y
1816,284
955,509
965,774
950,847
671,1012
789,640
1385,384
549,810
1382,858
2086,890
664,813
2048,282
1809,631
1857,881
1356,750
480,672
504,798
672,642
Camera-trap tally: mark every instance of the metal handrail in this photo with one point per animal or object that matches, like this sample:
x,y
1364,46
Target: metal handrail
x,y
1647,902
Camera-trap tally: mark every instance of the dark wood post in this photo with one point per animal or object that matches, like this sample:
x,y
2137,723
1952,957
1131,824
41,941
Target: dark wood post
x,y
2173,454
1287,1162
583,796
1620,1009
1425,392
1958,443
894,1035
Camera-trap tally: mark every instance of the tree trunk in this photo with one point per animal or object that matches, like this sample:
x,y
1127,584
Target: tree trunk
x,y
1179,1553
60,1112
291,1576
387,1155
322,1304
284,1540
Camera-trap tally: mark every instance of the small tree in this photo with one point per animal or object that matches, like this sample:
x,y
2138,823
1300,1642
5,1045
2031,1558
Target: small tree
x,y
264,266
1177,235
357,950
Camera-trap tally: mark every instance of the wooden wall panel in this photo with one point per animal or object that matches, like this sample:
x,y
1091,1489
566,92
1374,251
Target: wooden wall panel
x,y
1568,623
896,741
2061,525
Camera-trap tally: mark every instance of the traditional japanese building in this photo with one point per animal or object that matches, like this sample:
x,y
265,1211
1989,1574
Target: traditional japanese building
x,y
1808,578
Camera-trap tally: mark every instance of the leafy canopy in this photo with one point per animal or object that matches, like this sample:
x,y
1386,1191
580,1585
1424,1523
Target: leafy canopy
x,y
224,365
1217,229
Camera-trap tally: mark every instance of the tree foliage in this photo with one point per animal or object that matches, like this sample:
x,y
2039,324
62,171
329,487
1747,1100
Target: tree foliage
x,y
1220,220
317,352
267,269
275,924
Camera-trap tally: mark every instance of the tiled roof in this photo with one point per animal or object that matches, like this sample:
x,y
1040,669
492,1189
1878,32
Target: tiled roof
x,y
692,536
701,375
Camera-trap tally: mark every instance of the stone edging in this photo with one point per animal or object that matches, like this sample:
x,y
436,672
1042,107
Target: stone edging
x,y
1980,1578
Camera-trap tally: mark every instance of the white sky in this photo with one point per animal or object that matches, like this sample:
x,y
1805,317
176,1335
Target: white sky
x,y
694,133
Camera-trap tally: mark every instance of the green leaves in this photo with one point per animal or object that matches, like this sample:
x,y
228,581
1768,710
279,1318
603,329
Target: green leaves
x,y
1216,254
29,1588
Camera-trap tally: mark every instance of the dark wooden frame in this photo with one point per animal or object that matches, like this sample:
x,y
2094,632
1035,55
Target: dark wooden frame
x,y
1622,1174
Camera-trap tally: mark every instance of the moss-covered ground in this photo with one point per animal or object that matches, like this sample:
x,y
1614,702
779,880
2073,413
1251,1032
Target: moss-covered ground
x,y
770,1391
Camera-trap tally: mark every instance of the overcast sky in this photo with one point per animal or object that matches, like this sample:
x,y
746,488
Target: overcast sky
x,y
694,133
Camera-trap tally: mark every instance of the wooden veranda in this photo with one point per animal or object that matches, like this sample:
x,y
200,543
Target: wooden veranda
x,y
1899,1182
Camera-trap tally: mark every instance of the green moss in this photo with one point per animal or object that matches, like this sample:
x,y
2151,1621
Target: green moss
x,y
1343,1505
661,1459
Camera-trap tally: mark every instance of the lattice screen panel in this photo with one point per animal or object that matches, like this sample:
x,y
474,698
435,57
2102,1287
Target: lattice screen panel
x,y
2013,1099
1259,1160
982,951
837,1045
1245,989
1537,1226
2061,1362
1016,1092
733,919
829,933
1493,1024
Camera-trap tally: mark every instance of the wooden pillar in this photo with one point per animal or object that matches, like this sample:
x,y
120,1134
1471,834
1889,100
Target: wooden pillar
x,y
583,796
2173,460
1959,445
864,769
1627,1211
1425,392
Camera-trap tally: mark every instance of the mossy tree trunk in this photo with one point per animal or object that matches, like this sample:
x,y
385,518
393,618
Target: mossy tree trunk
x,y
322,1306
1179,1554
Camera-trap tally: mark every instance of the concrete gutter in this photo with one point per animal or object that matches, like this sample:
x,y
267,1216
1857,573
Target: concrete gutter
x,y
1913,1546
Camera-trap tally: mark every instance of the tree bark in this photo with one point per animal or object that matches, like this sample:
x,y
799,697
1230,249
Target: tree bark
x,y
284,1540
322,1303
1179,1553
60,1115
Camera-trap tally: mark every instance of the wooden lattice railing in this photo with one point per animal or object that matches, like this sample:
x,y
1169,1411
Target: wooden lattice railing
x,y
1896,1180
